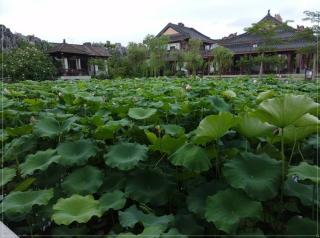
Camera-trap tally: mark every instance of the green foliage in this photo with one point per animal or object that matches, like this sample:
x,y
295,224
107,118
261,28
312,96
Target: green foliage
x,y
222,59
154,157
193,56
28,63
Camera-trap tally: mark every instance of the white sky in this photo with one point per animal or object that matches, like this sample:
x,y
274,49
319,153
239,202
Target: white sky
x,y
123,21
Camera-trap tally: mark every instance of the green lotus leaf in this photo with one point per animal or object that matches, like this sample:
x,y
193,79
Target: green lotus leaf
x,y
187,224
50,127
165,144
302,227
6,175
251,127
132,216
265,95
227,208
25,184
192,157
18,147
285,110
113,200
228,94
22,202
83,181
305,171
213,127
302,191
292,134
173,130
148,187
19,131
106,131
173,233
77,152
260,183
141,113
125,156
39,161
219,104
197,198
76,208
307,120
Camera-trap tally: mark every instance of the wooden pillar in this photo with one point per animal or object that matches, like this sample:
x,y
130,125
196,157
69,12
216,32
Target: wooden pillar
x,y
65,61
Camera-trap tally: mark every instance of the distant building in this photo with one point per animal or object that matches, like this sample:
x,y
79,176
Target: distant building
x,y
74,59
289,46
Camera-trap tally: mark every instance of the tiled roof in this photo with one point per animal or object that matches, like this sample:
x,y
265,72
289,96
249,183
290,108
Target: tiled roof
x,y
185,33
244,43
79,49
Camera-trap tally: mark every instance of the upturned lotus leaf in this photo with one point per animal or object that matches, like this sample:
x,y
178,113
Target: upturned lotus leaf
x,y
83,181
125,156
192,157
285,110
305,171
113,200
251,127
262,182
213,127
141,113
76,152
265,95
6,175
166,144
50,127
39,161
22,202
76,208
227,208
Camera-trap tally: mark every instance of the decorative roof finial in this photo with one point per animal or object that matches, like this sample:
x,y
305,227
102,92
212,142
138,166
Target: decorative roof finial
x,y
269,12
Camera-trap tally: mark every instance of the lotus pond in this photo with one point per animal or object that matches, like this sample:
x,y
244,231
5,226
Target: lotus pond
x,y
160,157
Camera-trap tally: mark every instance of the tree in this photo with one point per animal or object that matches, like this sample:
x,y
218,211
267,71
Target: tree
x,y
193,57
310,34
266,30
222,59
177,57
157,48
28,62
137,56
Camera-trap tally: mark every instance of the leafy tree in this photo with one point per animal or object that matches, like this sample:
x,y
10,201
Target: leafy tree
x,y
222,59
137,56
193,56
266,30
28,62
309,34
157,47
178,58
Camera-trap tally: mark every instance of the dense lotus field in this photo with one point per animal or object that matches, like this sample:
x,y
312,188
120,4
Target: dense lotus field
x,y
160,157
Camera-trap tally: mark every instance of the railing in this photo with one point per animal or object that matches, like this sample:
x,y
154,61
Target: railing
x,y
73,72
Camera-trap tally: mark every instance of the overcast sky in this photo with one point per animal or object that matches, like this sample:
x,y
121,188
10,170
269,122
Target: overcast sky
x,y
123,21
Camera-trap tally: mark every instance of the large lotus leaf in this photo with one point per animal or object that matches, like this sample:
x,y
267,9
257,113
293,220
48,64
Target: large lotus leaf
x,y
173,233
86,180
106,131
265,95
213,127
18,147
125,156
219,104
6,175
77,152
141,113
50,127
197,198
132,216
257,175
228,94
250,126
165,144
285,110
148,187
113,200
302,191
302,227
25,184
19,131
227,208
22,202
291,133
75,208
187,224
173,130
192,157
39,161
305,171
307,120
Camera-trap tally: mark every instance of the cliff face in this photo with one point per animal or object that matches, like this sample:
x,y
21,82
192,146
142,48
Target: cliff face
x,y
11,40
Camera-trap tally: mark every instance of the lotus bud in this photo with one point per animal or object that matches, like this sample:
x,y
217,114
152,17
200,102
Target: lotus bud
x,y
255,81
60,94
188,87
32,120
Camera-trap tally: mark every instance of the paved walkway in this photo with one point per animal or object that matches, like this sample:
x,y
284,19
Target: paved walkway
x,y
5,232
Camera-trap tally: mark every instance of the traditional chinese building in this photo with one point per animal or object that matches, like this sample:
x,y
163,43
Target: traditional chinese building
x,y
77,61
289,46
